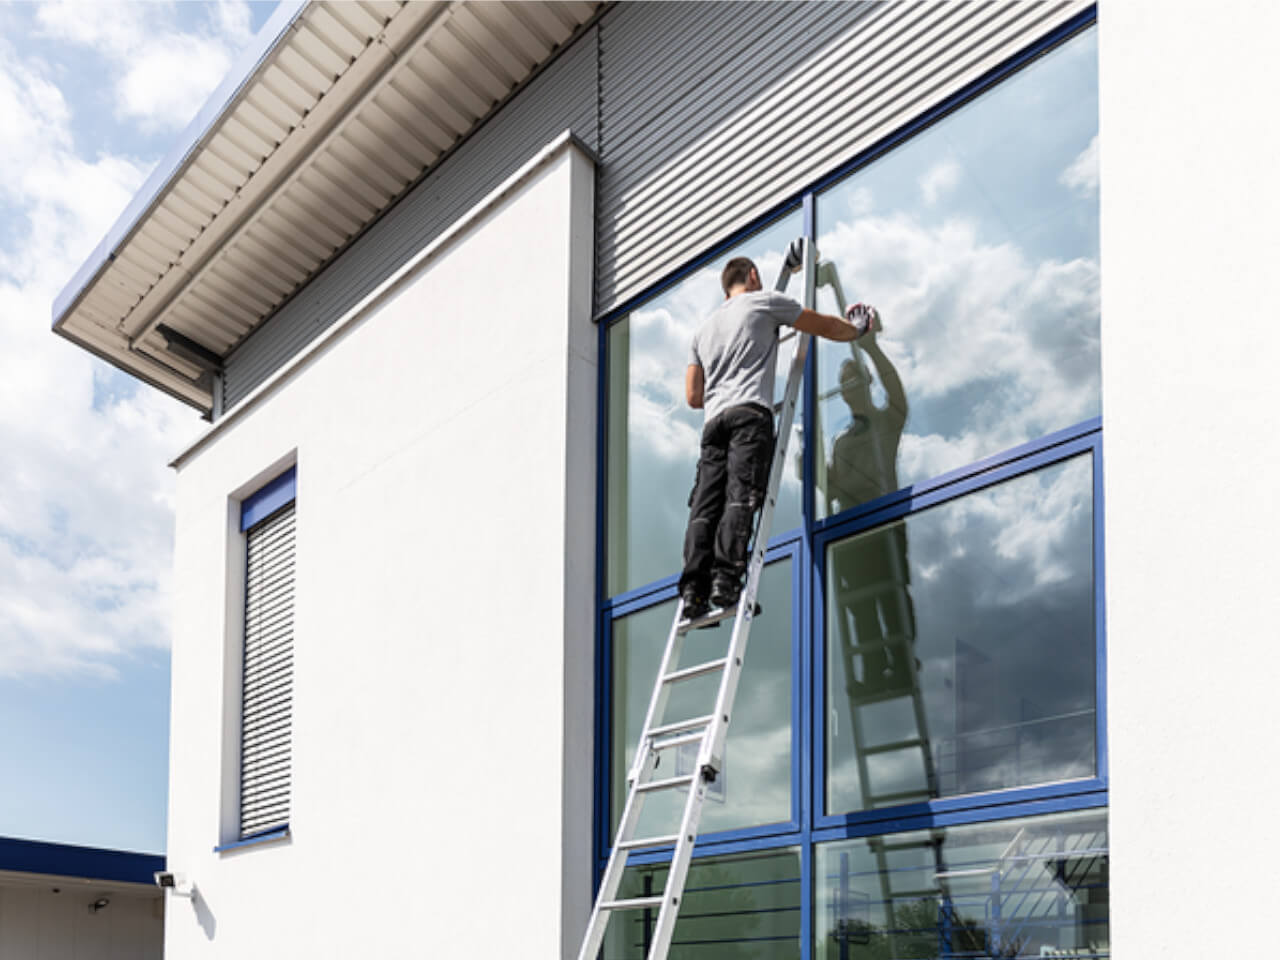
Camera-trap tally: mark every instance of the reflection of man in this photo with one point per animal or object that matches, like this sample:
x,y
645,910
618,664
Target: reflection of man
x,y
730,377
864,465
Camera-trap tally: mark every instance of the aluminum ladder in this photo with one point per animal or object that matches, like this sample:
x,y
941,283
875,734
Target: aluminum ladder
x,y
708,731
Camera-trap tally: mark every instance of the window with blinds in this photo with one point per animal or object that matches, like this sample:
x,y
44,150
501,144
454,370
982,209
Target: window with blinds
x,y
267,704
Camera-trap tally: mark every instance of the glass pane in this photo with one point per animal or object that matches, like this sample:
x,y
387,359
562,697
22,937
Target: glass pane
x,y
1037,887
960,645
653,435
755,786
978,243
734,908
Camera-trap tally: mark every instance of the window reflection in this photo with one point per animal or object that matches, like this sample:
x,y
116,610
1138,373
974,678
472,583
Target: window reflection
x,y
978,242
754,788
653,436
1037,887
968,664
734,908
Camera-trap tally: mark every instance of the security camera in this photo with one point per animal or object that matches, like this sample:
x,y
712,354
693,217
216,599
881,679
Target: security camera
x,y
173,881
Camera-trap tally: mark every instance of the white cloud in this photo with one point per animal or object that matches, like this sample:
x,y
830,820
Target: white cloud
x,y
1081,175
165,74
940,178
1003,347
85,494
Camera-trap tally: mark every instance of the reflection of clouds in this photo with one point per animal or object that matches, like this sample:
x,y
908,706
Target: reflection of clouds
x,y
993,349
1002,585
939,179
1022,532
757,780
1082,175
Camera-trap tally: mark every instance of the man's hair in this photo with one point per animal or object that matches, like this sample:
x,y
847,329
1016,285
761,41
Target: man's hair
x,y
735,273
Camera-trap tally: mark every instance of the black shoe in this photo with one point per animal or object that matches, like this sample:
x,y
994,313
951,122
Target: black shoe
x,y
695,604
725,592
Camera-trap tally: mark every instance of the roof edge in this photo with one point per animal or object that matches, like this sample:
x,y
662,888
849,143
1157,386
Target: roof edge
x,y
173,163
88,863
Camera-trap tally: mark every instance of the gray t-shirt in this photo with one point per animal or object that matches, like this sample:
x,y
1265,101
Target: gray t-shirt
x,y
737,346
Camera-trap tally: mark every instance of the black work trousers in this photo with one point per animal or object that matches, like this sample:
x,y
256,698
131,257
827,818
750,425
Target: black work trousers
x,y
733,473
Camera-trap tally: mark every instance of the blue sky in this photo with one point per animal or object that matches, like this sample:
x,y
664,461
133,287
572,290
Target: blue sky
x,y
92,96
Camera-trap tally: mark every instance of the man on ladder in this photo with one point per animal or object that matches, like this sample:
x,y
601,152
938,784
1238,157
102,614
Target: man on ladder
x,y
730,377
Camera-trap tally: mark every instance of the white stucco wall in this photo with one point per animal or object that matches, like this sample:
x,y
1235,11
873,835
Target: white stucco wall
x,y
1191,339
442,748
49,918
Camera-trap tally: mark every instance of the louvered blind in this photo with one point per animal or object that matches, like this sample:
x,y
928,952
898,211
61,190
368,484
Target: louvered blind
x,y
267,713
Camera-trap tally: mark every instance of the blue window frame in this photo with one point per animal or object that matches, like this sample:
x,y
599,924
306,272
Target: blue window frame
x,y
999,468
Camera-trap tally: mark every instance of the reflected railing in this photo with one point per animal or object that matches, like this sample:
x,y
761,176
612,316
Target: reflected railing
x,y
1045,895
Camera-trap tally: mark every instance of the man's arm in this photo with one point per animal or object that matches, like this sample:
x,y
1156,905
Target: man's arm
x,y
831,327
693,384
887,373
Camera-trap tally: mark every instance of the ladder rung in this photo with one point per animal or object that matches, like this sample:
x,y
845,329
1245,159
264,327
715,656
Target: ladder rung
x,y
897,640
681,725
954,874
882,696
681,781
891,847
648,842
639,903
708,619
678,741
711,666
895,745
904,795
913,894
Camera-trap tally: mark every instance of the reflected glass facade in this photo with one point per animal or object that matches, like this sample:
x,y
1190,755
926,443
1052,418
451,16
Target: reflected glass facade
x,y
917,767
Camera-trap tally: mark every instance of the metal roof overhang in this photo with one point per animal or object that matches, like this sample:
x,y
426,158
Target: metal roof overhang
x,y
337,112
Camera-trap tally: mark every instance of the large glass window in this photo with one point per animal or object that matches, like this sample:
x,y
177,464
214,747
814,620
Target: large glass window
x,y
653,435
926,666
978,243
754,788
960,645
1035,887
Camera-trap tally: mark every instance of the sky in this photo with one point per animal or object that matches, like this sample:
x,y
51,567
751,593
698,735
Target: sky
x,y
92,97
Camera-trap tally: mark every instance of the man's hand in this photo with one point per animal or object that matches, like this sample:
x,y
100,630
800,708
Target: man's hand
x,y
865,319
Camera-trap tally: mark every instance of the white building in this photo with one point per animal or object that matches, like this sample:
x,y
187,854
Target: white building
x,y
65,902
430,271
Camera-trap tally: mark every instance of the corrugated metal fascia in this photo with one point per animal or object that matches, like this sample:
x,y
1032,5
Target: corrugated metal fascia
x,y
787,31
648,227
561,96
701,173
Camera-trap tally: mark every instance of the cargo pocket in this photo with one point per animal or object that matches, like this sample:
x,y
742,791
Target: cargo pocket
x,y
697,475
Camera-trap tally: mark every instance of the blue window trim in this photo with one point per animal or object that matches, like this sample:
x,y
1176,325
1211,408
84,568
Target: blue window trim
x,y
807,545
256,839
269,498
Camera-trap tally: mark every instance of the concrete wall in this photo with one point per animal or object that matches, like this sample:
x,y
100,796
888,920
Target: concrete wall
x,y
49,918
442,772
1190,242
